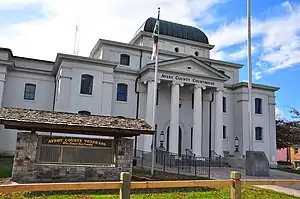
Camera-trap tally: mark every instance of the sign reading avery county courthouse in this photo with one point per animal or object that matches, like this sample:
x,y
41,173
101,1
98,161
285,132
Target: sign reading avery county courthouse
x,y
186,79
71,141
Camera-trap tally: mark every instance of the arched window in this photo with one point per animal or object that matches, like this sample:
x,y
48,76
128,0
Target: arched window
x,y
122,91
84,112
29,91
86,84
258,133
258,106
124,59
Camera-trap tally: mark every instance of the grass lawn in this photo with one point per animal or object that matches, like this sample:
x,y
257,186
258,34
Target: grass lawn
x,y
6,166
248,192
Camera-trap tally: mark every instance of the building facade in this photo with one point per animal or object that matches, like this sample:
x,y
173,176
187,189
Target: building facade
x,y
198,99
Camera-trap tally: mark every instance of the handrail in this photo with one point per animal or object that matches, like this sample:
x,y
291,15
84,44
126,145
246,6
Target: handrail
x,y
191,153
214,153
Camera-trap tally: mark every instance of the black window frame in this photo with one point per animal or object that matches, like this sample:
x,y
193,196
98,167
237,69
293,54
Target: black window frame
x,y
193,101
224,132
258,133
83,112
224,104
29,91
125,59
86,84
258,105
120,94
192,135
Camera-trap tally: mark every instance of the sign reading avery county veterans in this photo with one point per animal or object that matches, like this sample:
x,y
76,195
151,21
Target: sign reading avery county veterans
x,y
72,141
186,79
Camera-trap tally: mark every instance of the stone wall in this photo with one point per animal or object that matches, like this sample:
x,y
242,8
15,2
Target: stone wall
x,y
27,170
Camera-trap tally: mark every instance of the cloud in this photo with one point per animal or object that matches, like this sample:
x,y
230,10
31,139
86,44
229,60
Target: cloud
x,y
115,20
278,114
14,4
278,37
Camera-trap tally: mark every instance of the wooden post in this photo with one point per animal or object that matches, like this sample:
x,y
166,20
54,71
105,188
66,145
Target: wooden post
x,y
236,185
125,185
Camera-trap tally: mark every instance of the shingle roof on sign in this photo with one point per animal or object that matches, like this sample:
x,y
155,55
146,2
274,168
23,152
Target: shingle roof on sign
x,y
64,119
176,30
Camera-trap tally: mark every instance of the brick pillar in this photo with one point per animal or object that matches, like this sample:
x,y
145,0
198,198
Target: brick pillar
x,y
25,158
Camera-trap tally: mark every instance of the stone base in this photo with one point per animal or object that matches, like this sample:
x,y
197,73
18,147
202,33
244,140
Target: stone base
x,y
257,164
27,169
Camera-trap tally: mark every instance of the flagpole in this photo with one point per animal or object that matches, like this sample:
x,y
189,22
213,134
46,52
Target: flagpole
x,y
250,76
154,100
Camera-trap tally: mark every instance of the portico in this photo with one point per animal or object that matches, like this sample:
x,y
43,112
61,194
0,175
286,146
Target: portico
x,y
187,76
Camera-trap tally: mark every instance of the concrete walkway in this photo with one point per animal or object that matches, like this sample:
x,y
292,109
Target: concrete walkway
x,y
224,173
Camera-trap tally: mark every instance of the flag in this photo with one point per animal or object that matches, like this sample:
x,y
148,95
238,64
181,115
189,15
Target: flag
x,y
155,38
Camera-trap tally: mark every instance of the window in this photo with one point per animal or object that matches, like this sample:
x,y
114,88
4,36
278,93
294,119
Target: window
x,y
157,97
124,59
84,112
155,136
192,100
224,132
122,92
224,104
86,84
258,106
29,91
296,150
176,49
258,133
197,53
191,137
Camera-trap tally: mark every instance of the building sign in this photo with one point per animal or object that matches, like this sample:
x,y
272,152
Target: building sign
x,y
72,141
186,79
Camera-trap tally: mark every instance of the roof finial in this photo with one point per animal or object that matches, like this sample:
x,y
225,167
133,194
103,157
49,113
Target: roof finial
x,y
158,13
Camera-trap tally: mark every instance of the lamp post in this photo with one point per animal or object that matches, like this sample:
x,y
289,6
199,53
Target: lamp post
x,y
236,144
162,139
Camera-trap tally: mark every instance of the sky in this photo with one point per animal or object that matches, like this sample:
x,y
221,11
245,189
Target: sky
x,y
42,28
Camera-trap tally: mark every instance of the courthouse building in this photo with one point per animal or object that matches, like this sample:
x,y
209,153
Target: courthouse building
x,y
117,79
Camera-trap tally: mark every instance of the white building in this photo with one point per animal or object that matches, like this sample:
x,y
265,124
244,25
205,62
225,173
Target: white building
x,y
117,79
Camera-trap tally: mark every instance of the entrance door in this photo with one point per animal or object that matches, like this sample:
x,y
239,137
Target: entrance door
x,y
179,140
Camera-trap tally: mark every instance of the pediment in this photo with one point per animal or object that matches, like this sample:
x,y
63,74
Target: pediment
x,y
191,66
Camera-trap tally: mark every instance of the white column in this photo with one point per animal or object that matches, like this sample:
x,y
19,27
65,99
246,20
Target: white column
x,y
147,139
197,124
174,118
219,123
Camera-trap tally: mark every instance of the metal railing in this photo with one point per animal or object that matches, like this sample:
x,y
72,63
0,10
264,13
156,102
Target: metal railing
x,y
172,162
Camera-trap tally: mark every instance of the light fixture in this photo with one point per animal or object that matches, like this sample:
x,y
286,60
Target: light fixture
x,y
236,144
180,102
162,139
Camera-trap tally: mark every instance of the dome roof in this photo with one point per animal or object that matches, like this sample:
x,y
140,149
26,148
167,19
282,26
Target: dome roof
x,y
176,30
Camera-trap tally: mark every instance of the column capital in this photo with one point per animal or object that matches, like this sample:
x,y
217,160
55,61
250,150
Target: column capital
x,y
150,80
177,83
200,86
220,89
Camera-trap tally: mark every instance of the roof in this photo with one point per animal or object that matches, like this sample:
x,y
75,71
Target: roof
x,y
176,30
62,122
257,86
187,58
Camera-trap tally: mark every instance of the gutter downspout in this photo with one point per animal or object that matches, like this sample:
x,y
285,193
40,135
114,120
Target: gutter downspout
x,y
137,100
209,142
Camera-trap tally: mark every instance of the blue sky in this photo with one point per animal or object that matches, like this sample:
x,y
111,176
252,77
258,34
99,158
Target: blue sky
x,y
42,28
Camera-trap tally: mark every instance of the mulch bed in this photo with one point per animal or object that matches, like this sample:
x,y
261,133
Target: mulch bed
x,y
5,181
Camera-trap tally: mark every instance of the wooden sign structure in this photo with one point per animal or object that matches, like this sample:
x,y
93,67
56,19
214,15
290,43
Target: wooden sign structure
x,y
75,141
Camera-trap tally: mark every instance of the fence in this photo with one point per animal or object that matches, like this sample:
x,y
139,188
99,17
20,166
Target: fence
x,y
125,185
182,164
